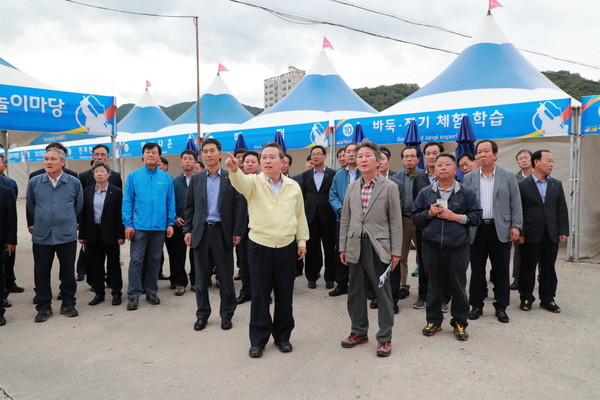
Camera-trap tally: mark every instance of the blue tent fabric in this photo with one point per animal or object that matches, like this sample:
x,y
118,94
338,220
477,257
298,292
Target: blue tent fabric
x,y
240,143
359,134
412,139
280,141
146,116
465,140
216,109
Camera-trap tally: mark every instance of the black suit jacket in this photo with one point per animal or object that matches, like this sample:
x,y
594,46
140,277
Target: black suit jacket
x,y
87,179
537,214
8,217
316,202
231,209
111,222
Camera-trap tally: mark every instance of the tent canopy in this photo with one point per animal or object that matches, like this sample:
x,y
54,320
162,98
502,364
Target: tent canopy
x,y
145,116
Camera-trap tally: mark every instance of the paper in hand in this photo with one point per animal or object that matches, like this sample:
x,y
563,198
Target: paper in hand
x,y
385,275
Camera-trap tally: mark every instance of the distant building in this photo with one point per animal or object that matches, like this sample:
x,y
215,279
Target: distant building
x,y
277,87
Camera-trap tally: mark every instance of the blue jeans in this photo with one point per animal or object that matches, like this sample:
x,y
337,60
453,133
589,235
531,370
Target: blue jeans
x,y
149,245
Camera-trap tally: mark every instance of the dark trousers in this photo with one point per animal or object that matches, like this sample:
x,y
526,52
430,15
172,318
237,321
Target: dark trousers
x,y
9,272
111,252
394,279
342,273
212,251
447,274
516,262
145,267
486,245
424,273
43,256
84,266
3,289
325,234
545,253
177,249
241,252
146,247
271,270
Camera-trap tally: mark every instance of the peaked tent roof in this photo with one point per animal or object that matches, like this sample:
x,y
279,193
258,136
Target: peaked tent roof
x,y
145,116
217,106
490,71
11,75
322,95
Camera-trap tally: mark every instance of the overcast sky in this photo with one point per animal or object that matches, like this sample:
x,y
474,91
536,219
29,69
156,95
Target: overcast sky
x,y
76,48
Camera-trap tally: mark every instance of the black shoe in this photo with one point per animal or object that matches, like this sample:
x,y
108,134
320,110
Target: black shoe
x,y
163,277
6,303
237,277
403,293
255,352
179,291
502,317
242,298
525,305
116,300
80,277
475,313
514,285
329,285
340,289
200,324
551,306
312,284
132,303
152,299
2,321
226,324
396,308
69,311
193,288
284,347
96,300
15,289
374,304
43,315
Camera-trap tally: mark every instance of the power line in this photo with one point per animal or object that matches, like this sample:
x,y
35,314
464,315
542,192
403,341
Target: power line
x,y
130,12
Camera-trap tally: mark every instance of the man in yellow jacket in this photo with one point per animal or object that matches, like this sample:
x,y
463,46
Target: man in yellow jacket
x,y
277,238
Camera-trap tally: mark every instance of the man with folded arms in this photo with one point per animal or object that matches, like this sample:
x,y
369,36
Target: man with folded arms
x,y
277,238
370,239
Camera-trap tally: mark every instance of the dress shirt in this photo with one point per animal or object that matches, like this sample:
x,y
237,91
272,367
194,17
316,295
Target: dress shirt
x,y
351,175
365,193
318,178
275,186
432,178
212,192
53,181
99,197
486,193
542,186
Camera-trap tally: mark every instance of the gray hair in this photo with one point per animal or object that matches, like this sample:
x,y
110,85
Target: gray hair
x,y
60,152
367,143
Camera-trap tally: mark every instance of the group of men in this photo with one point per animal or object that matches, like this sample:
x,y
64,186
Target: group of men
x,y
358,222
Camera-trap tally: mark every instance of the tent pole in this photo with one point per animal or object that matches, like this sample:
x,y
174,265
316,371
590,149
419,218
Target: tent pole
x,y
5,148
574,187
332,144
197,80
113,150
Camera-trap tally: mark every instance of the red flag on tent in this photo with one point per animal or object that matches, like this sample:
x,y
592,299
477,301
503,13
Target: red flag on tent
x,y
148,84
494,4
326,43
222,68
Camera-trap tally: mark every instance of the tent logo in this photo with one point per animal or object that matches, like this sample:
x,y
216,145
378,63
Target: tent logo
x,y
548,120
93,113
318,135
348,130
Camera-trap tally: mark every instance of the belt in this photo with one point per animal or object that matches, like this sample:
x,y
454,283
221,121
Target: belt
x,y
213,224
98,226
488,221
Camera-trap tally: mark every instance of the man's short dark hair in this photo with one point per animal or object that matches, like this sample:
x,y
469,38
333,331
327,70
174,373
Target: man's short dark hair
x,y
238,151
289,158
318,146
57,145
276,145
250,153
523,151
340,150
438,144
470,156
537,156
367,143
386,151
189,152
308,158
100,146
150,146
164,161
100,164
350,144
446,154
494,145
211,141
201,163
408,148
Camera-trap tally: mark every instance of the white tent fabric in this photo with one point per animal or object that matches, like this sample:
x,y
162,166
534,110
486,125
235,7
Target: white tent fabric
x,y
322,95
145,116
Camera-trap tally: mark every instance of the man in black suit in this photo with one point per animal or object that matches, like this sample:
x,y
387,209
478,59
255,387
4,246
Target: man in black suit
x,y
101,231
8,235
315,184
214,223
545,224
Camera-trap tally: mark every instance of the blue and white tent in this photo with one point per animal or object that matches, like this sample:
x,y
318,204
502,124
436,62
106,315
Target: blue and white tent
x,y
145,116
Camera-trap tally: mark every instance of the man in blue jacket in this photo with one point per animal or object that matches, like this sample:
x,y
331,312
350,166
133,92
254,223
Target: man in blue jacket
x,y
148,211
444,211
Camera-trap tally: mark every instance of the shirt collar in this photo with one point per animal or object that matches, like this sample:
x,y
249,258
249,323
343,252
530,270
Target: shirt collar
x,y
538,180
57,178
101,190
492,175
273,183
455,187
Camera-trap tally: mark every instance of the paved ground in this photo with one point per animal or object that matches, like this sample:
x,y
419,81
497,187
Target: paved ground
x,y
153,353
